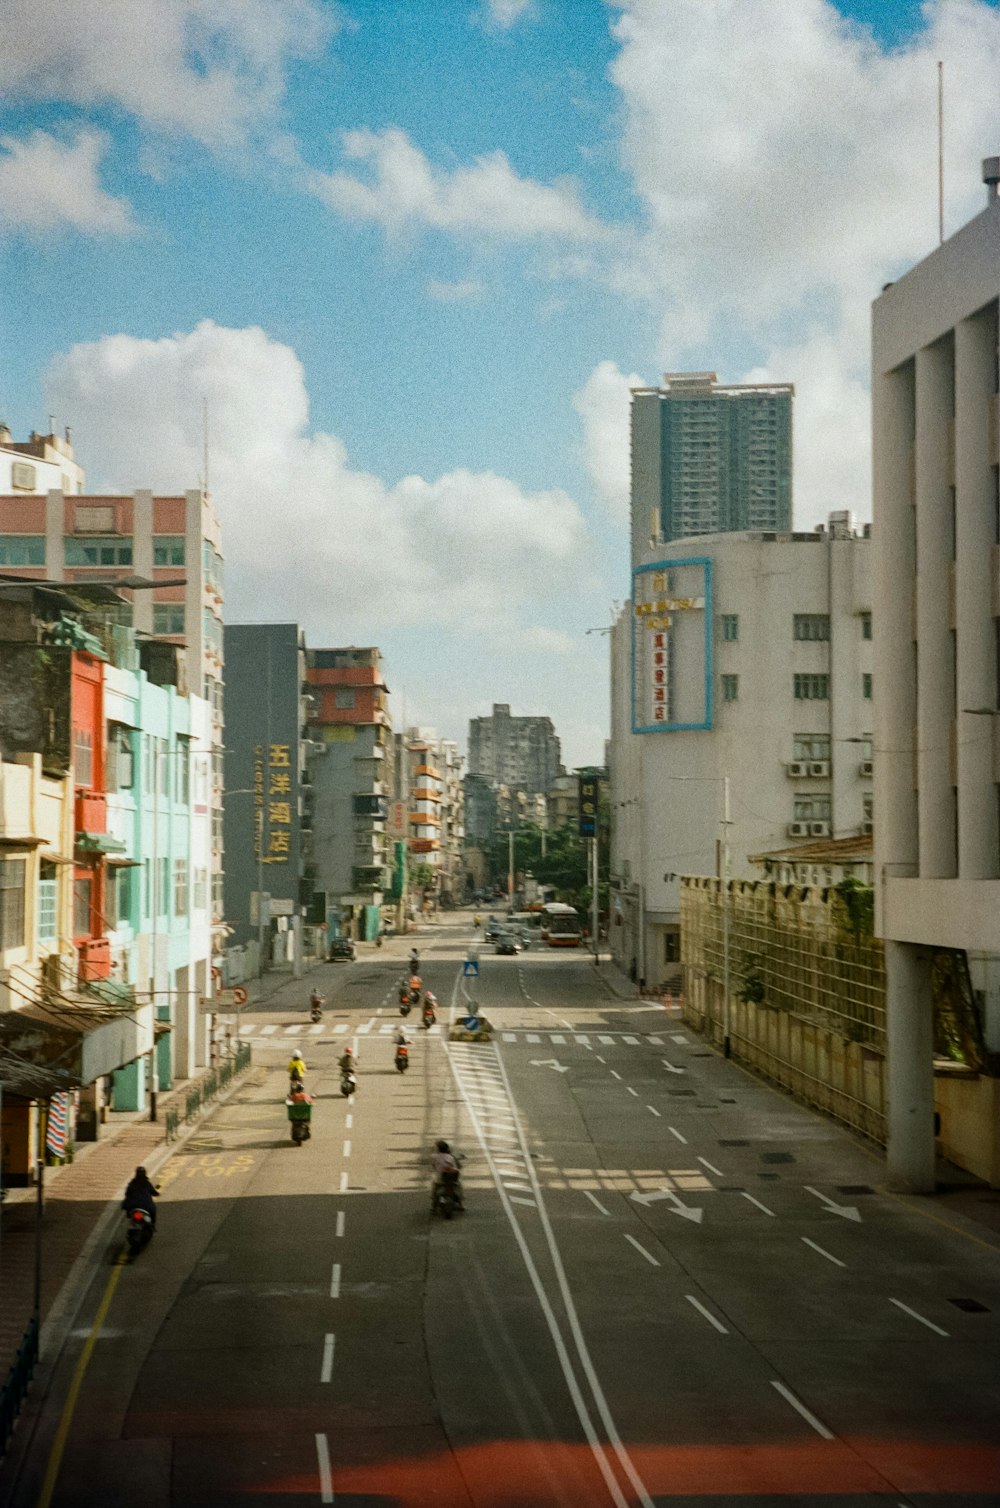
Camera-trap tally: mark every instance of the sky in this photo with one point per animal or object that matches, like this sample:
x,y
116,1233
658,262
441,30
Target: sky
x,y
410,255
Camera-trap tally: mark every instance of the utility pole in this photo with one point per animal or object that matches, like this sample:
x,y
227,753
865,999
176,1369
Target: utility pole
x,y
594,904
725,915
510,866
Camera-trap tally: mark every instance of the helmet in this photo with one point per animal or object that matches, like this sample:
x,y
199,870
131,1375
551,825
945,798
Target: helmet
x,y
443,1146
431,999
348,1050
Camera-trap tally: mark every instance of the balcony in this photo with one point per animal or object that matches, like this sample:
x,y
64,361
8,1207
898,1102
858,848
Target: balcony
x,y
95,958
91,813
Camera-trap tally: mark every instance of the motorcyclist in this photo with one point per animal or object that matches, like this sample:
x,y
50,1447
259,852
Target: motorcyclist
x,y
401,1036
414,960
317,998
296,1066
430,1006
444,1160
348,1060
140,1194
416,985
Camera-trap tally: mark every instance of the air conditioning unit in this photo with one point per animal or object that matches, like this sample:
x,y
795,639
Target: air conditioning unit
x,y
865,767
819,767
798,829
796,770
819,829
867,828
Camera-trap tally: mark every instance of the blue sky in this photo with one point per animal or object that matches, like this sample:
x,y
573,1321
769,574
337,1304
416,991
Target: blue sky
x,y
412,255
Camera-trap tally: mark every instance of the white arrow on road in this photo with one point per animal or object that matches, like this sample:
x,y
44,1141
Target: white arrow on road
x,y
550,1063
849,1211
670,1067
689,1211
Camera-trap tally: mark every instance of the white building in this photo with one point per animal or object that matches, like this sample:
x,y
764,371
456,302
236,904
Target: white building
x,y
742,663
38,464
937,577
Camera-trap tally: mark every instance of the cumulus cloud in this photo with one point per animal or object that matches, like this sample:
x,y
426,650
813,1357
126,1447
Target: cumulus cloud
x,y
46,185
209,69
305,532
488,199
503,14
603,406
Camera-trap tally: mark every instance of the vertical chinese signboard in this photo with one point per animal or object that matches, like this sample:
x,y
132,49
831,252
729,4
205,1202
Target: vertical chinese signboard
x,y
589,792
672,646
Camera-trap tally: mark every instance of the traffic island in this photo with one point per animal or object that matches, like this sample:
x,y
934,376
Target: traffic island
x,y
471,1028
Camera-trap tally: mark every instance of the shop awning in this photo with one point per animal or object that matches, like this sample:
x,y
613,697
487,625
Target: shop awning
x,y
119,861
99,843
44,1049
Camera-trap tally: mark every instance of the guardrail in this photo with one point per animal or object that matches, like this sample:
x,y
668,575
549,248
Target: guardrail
x,y
19,1377
206,1089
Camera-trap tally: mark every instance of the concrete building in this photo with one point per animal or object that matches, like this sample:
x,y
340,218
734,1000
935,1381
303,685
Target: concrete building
x,y
39,464
350,779
453,872
522,753
707,458
936,417
480,804
742,662
563,802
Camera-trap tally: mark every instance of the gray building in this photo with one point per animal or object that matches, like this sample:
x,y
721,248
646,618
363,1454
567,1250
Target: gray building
x,y
480,811
522,753
708,459
265,827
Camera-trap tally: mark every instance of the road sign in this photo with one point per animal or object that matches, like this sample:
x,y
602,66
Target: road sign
x,y
472,1023
470,969
224,999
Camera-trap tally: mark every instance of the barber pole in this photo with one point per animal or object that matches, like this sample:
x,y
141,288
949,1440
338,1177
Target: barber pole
x,y
57,1130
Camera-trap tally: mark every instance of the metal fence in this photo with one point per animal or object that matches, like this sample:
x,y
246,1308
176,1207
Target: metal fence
x,y
207,1089
18,1382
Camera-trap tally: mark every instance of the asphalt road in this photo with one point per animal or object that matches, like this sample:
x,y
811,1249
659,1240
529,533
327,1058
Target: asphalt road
x,y
671,1285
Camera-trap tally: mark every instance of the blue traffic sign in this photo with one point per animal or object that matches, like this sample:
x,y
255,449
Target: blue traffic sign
x,y
470,969
472,1023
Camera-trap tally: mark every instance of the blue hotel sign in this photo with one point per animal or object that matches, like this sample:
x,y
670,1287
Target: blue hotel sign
x,y
672,646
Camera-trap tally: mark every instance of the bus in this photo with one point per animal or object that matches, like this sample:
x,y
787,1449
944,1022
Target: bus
x,y
560,926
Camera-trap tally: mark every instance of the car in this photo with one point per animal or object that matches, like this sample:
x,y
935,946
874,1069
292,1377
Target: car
x,y
341,948
508,944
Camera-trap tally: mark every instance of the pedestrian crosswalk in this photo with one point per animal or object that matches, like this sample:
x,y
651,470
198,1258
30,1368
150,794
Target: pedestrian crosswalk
x,y
582,1039
276,1034
338,1029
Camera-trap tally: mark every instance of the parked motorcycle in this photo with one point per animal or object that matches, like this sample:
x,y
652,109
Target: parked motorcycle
x,y
402,1059
348,1083
138,1231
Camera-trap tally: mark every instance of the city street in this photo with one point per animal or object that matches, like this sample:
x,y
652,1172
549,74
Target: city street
x,y
670,1284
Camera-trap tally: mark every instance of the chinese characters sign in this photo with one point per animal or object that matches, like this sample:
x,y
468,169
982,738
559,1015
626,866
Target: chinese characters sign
x,y
274,798
589,791
672,646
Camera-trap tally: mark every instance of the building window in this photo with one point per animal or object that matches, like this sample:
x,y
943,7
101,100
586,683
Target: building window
x,y
22,549
343,696
866,625
162,887
83,757
168,550
180,887
814,808
115,550
123,894
200,888
168,618
811,626
48,903
812,688
82,907
810,746
730,688
671,947
868,806
184,771
730,628
866,686
12,882
121,761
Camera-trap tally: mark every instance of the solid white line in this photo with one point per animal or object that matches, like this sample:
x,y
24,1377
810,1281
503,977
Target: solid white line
x,y
325,1480
340,1222
335,1281
800,1408
710,1317
674,1132
648,1255
568,1024
913,1313
347,1147
757,1203
615,1075
594,1200
632,1091
712,1168
327,1370
653,1110
828,1255
343,1183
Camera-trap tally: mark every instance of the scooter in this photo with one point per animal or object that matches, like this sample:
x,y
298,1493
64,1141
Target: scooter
x,y
447,1197
139,1231
428,1015
402,1058
316,1011
404,1005
348,1083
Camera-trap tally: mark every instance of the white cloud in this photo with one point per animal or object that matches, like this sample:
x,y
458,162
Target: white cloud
x,y
503,14
603,406
48,185
209,69
487,199
348,554
454,293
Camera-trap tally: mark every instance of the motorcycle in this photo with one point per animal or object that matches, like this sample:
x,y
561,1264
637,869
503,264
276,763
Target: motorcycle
x,y
447,1196
316,1011
139,1231
405,1004
428,1015
402,1058
348,1083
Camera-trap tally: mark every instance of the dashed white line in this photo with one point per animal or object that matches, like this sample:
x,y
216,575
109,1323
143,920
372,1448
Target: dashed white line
x,y
606,1041
824,1253
679,1135
335,1281
582,1040
757,1203
615,1075
343,1183
532,1037
340,1222
653,1111
599,1058
632,1091
557,1037
632,1041
707,1314
348,1119
711,1167
266,1031
325,1479
647,1254
914,1315
340,1027
326,1371
679,1037
657,1041
800,1408
595,1201
347,1147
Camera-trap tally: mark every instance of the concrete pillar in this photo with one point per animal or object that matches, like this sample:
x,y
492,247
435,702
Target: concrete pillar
x,y
935,657
976,534
910,1069
142,556
55,535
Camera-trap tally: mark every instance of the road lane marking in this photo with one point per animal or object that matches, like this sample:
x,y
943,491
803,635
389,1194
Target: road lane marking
x,y
757,1203
348,1119
913,1313
632,1041
266,1031
326,1372
335,1281
599,1058
709,1316
292,1031
515,1199
340,1222
632,1091
510,1036
711,1167
325,1479
340,1027
343,1183
824,1253
653,1111
656,1041
800,1408
347,1147
582,1040
315,1031
605,1041
647,1254
557,1037
615,1075
679,1135
594,1200
679,1037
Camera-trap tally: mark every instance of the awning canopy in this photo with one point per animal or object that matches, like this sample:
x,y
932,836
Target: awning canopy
x,y
44,1049
99,843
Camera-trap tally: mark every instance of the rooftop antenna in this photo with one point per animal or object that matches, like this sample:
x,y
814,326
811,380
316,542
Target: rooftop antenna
x,y
940,92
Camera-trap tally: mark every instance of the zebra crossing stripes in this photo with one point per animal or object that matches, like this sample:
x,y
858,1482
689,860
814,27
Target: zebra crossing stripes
x,y
579,1039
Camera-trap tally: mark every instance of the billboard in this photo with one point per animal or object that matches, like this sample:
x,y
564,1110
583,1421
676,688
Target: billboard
x,y
672,646
589,793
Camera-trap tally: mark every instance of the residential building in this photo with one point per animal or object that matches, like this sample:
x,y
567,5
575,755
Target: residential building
x,y
268,832
479,798
453,872
522,753
709,458
741,674
430,783
350,773
39,464
936,420
563,802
